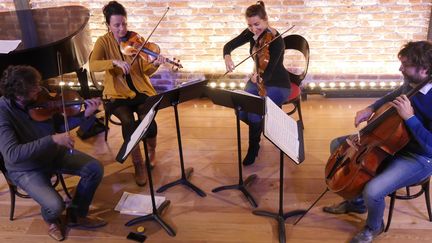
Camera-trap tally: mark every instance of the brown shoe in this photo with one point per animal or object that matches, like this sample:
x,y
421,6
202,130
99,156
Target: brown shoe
x,y
151,146
138,162
56,232
88,222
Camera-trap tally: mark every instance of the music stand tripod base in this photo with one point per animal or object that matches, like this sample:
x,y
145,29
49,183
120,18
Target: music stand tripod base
x,y
156,212
280,216
155,216
184,180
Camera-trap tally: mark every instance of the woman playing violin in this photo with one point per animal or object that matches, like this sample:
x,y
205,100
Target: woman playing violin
x,y
127,85
274,76
33,151
413,162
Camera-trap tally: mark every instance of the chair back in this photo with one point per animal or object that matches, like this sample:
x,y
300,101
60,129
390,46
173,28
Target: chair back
x,y
299,43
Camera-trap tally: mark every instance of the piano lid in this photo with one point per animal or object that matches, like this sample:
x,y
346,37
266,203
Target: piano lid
x,y
44,32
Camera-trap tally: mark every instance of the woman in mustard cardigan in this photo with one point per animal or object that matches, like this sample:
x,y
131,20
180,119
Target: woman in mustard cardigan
x,y
128,85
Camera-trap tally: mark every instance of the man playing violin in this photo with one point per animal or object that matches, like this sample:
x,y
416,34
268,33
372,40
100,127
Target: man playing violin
x,y
127,85
33,151
274,77
411,164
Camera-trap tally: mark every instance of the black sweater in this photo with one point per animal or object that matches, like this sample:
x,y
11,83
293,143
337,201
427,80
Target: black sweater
x,y
275,74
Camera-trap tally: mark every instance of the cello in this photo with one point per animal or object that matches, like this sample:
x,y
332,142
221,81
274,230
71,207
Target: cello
x,y
349,169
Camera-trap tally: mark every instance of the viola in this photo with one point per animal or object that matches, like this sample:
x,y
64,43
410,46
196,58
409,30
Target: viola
x,y
46,105
262,57
132,44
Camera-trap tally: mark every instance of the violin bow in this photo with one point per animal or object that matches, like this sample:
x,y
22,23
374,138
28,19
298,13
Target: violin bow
x,y
151,33
290,28
60,69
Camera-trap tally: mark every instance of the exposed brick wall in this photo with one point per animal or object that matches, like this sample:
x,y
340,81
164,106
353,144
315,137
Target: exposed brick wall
x,y
349,40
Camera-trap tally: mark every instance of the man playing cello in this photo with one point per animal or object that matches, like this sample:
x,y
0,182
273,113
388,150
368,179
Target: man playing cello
x,y
413,162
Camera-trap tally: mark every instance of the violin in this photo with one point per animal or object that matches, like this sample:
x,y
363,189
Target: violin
x,y
132,44
262,57
46,105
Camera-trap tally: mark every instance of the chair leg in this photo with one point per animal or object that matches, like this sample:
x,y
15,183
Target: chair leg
x,y
427,197
392,202
63,184
12,206
299,112
106,126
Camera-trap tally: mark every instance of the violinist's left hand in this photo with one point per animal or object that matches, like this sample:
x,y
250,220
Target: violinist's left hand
x,y
159,60
403,107
254,77
91,106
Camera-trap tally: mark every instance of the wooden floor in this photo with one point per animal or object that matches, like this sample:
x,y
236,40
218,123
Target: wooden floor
x,y
209,146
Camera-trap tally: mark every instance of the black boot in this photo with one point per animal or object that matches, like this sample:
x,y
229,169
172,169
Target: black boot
x,y
254,139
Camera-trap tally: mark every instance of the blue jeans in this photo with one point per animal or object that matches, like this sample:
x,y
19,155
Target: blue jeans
x,y
277,94
403,169
37,184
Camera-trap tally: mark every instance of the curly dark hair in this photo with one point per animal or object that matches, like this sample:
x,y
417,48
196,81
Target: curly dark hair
x,y
257,9
418,53
19,81
113,8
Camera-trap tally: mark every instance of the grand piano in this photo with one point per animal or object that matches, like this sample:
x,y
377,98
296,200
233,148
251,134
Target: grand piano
x,y
45,32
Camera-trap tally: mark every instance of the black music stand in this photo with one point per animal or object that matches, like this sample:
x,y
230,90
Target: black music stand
x,y
152,104
239,101
185,92
277,127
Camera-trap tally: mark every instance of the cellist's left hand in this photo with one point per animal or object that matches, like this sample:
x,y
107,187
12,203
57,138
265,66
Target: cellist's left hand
x,y
403,107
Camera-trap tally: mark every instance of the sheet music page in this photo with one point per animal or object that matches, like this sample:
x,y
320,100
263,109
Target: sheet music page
x,y
137,204
139,131
7,46
240,91
282,130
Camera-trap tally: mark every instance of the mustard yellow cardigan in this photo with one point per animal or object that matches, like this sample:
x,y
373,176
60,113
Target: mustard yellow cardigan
x,y
106,50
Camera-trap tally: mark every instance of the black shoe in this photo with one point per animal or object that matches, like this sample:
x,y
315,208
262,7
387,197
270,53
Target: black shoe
x,y
345,207
366,235
251,155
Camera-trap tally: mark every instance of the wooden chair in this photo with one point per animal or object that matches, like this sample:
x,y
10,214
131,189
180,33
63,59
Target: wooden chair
x,y
14,191
424,189
299,43
106,105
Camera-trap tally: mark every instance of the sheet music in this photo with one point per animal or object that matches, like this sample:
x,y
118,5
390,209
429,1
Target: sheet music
x,y
7,46
137,204
243,92
282,130
141,129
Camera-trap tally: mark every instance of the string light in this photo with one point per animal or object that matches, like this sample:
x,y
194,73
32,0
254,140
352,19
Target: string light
x,y
232,85
213,84
352,84
342,84
222,85
332,84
